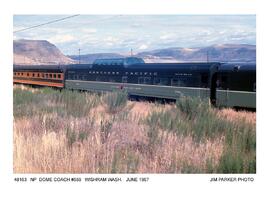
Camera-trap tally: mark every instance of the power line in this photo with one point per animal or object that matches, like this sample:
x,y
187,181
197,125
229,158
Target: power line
x,y
50,22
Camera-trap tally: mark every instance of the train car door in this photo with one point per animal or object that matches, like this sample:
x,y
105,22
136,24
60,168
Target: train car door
x,y
213,86
222,89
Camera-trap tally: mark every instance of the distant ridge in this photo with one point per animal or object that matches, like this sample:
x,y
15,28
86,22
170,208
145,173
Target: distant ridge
x,y
215,53
220,53
38,52
43,52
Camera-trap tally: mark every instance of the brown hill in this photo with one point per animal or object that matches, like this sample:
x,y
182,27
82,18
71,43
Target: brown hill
x,y
38,52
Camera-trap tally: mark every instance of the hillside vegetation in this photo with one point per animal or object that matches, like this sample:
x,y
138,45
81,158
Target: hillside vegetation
x,y
77,132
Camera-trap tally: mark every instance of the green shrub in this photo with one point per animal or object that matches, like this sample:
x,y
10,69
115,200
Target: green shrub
x,y
115,101
239,154
77,104
192,107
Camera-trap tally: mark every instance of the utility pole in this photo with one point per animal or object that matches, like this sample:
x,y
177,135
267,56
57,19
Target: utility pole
x,y
207,56
79,56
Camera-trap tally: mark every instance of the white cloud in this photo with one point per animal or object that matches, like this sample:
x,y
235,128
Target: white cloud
x,y
89,30
111,39
136,25
62,38
167,36
143,46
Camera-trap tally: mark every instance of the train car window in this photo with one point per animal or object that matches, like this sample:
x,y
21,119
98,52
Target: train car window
x,y
59,76
124,79
42,75
161,81
50,75
46,75
27,74
54,75
147,80
33,74
222,82
224,78
204,80
38,75
175,82
144,80
117,73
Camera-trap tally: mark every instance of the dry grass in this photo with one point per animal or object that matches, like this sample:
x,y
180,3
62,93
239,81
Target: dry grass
x,y
232,115
125,150
103,142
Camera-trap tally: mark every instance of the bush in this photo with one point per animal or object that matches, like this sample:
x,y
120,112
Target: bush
x,y
240,153
115,101
193,107
48,100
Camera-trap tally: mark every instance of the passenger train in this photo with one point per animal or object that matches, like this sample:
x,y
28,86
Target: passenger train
x,y
224,84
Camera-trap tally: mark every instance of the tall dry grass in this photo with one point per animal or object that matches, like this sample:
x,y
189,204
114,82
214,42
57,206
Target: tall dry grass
x,y
74,132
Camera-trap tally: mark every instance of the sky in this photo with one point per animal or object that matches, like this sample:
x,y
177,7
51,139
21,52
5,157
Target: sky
x,y
121,33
